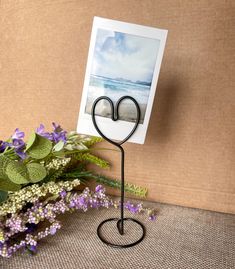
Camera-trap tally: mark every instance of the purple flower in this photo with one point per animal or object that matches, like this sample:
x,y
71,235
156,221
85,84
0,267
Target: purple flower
x,y
72,204
63,194
58,133
133,208
52,230
18,144
57,128
32,248
59,137
152,214
21,154
41,131
95,203
79,202
18,134
15,224
99,188
3,145
152,217
82,201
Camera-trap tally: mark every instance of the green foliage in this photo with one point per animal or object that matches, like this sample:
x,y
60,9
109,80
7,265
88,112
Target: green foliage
x,y
84,156
54,174
36,172
32,193
31,140
113,183
50,161
75,142
73,135
80,142
3,196
136,190
17,172
3,164
92,141
38,147
59,146
129,187
7,185
76,173
14,173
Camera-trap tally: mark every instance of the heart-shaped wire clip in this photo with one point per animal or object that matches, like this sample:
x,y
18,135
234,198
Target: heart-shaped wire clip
x,y
115,116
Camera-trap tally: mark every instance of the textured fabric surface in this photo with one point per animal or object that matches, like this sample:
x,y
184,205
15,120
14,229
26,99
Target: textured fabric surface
x,y
181,238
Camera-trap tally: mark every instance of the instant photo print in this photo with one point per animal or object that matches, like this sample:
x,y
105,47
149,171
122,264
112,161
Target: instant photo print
x,y
124,60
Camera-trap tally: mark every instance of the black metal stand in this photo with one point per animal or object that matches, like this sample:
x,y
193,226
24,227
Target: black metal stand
x,y
115,117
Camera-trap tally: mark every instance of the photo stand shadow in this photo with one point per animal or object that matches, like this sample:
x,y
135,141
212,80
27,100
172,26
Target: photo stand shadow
x,y
121,220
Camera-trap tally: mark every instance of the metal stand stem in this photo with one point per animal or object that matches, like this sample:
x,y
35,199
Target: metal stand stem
x,y
120,221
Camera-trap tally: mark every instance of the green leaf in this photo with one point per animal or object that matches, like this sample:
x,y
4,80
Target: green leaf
x,y
3,196
39,148
17,172
7,185
73,135
3,163
36,172
31,140
59,153
55,174
69,147
92,159
59,146
113,183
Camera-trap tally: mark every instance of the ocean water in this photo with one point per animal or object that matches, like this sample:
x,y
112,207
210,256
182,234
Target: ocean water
x,y
115,89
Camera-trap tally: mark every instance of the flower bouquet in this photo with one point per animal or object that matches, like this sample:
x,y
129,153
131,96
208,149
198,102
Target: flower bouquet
x,y
39,180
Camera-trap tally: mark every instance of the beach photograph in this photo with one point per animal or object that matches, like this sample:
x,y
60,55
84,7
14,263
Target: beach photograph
x,y
122,65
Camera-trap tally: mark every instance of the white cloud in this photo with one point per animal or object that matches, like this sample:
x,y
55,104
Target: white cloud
x,y
125,56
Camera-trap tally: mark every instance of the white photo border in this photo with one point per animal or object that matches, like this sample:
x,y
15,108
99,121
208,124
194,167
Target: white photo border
x,y
120,129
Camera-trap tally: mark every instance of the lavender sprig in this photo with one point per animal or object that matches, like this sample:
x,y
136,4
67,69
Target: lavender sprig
x,y
28,221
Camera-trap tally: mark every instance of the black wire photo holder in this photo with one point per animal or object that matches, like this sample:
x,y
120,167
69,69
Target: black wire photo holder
x,y
121,220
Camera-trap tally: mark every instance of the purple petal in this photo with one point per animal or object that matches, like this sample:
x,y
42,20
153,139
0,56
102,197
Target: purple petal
x,y
152,217
18,134
17,144
63,194
47,135
52,230
82,201
40,129
59,136
56,127
21,154
99,188
3,145
32,248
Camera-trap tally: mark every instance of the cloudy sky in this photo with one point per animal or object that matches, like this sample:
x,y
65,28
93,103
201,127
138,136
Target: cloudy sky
x,y
119,55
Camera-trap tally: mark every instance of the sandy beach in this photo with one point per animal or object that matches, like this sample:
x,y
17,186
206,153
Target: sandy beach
x,y
127,111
